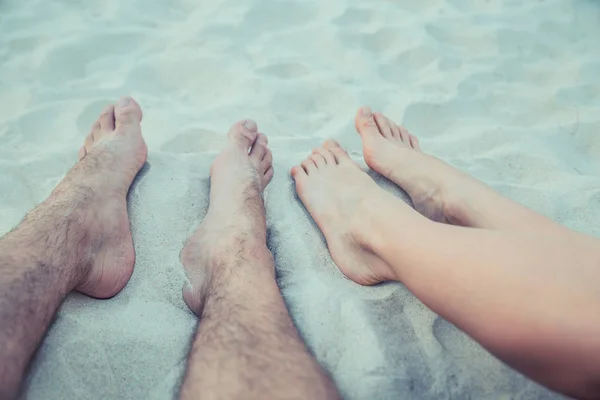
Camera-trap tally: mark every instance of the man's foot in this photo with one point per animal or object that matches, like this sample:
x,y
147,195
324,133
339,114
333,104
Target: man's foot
x,y
97,185
339,196
391,150
235,223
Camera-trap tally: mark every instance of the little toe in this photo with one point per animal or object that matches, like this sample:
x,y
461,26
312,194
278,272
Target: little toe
x,y
127,112
365,123
340,155
414,142
298,173
268,176
107,119
383,124
243,134
96,131
259,148
89,142
82,153
266,162
405,136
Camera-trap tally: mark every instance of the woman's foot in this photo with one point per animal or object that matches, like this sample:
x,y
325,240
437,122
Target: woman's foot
x,y
235,225
339,196
434,186
109,160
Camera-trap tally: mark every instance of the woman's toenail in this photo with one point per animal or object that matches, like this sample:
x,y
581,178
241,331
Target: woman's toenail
x,y
124,101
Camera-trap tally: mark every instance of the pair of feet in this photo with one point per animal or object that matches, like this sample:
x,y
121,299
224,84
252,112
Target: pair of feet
x,y
336,192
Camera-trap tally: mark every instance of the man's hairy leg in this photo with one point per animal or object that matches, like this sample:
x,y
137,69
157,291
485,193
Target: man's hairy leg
x,y
77,239
246,345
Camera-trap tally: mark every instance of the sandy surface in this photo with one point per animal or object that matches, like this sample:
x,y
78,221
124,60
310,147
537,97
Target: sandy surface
x,y
507,90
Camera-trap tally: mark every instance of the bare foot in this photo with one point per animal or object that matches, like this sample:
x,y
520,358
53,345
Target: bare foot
x,y
396,154
112,155
235,222
338,195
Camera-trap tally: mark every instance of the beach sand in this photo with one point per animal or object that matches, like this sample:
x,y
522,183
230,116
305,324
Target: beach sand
x,y
509,91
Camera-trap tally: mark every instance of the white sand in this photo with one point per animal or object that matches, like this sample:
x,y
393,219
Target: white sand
x,y
507,90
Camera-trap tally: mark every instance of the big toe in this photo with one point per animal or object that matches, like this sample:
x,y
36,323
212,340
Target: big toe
x,y
127,112
365,123
243,134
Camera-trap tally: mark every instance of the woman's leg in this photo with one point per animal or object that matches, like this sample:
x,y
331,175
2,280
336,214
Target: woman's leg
x,y
438,190
530,297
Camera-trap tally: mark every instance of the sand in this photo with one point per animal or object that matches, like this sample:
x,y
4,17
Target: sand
x,y
506,90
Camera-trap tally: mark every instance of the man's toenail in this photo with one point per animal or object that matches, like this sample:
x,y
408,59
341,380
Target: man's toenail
x,y
124,101
366,112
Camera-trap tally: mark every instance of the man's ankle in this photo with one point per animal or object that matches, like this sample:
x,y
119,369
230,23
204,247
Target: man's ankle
x,y
54,235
